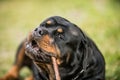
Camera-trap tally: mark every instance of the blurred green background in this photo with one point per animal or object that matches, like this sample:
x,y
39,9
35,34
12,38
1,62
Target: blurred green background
x,y
100,19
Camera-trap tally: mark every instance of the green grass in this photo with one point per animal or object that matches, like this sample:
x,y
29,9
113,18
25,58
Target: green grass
x,y
99,19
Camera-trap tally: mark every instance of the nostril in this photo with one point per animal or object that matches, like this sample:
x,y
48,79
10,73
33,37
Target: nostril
x,y
36,29
41,32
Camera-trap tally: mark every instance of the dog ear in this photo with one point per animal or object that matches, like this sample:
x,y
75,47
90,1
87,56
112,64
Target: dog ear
x,y
91,59
85,52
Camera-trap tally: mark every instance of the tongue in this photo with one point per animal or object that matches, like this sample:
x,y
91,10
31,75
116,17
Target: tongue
x,y
36,48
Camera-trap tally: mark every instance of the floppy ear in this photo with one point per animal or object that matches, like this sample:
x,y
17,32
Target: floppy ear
x,y
92,60
85,50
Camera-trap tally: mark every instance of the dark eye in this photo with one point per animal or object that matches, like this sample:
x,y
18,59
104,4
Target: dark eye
x,y
60,35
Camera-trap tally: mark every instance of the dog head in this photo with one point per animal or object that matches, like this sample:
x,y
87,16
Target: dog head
x,y
55,36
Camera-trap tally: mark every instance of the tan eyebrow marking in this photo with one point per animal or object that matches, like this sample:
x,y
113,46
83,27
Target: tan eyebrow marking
x,y
49,22
60,30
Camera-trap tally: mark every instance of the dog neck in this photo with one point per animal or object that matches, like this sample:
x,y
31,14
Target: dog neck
x,y
71,70
67,72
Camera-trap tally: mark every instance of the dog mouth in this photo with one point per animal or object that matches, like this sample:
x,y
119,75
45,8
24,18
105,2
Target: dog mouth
x,y
35,46
36,53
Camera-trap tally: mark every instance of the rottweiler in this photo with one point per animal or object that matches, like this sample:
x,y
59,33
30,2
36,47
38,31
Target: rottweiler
x,y
77,56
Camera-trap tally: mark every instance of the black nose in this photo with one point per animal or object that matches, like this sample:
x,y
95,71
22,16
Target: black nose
x,y
39,32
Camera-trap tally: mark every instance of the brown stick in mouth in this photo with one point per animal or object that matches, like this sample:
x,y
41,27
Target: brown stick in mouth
x,y
55,67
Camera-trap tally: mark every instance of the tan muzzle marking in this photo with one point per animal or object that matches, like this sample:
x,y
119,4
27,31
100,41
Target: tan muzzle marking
x,y
46,44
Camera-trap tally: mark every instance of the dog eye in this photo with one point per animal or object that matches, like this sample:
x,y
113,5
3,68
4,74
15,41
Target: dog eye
x,y
60,35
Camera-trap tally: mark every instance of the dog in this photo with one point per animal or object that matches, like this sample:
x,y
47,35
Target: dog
x,y
77,56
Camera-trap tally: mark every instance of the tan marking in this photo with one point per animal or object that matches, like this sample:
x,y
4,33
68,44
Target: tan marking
x,y
29,78
47,68
41,66
45,44
49,22
68,57
60,30
14,71
21,55
59,61
12,74
51,72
